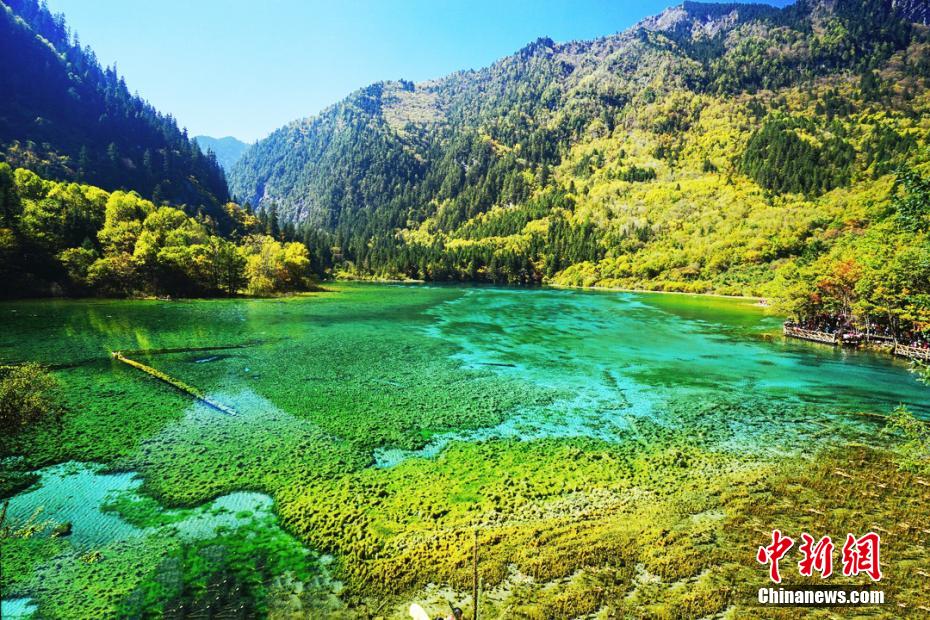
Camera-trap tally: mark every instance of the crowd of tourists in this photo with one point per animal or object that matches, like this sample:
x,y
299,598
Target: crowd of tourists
x,y
826,323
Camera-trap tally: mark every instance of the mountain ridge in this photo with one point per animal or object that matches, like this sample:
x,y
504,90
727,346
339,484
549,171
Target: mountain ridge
x,y
447,101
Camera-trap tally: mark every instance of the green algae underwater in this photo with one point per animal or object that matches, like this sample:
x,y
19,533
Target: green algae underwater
x,y
614,454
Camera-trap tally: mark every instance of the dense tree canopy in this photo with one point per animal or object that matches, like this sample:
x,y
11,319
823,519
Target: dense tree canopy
x,y
65,117
61,237
779,159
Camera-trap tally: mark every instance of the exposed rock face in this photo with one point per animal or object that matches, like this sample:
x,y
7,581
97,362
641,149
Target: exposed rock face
x,y
699,19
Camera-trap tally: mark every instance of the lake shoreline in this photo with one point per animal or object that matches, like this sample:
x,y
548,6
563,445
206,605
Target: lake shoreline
x,y
761,301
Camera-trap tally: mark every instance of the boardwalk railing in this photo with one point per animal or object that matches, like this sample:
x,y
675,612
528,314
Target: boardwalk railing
x,y
810,334
914,353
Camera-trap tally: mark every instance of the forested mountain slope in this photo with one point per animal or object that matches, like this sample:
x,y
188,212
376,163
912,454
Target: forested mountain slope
x,y
65,117
728,148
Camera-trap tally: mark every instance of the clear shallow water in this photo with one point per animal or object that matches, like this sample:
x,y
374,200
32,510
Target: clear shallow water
x,y
17,609
651,345
602,359
79,493
617,357
74,493
563,338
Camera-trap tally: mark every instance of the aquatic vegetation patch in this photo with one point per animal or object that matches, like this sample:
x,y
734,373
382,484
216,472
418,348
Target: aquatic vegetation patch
x,y
15,475
549,507
692,553
366,386
94,584
119,545
853,489
207,453
21,557
240,572
913,450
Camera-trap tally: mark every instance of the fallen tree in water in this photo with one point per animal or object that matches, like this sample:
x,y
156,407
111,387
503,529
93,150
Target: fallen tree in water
x,y
175,383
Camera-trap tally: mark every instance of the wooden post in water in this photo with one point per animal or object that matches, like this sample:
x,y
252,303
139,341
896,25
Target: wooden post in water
x,y
474,577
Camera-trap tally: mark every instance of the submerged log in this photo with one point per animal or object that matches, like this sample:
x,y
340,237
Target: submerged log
x,y
175,383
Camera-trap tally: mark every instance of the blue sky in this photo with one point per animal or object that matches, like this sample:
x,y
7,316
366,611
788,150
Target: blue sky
x,y
244,68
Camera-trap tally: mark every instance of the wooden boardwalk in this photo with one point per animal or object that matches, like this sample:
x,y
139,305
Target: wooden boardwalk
x,y
914,353
810,334
898,350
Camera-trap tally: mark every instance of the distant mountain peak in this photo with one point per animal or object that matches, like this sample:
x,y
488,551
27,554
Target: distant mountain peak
x,y
543,45
915,11
707,18
394,154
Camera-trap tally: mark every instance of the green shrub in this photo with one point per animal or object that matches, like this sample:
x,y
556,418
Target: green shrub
x,y
27,395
